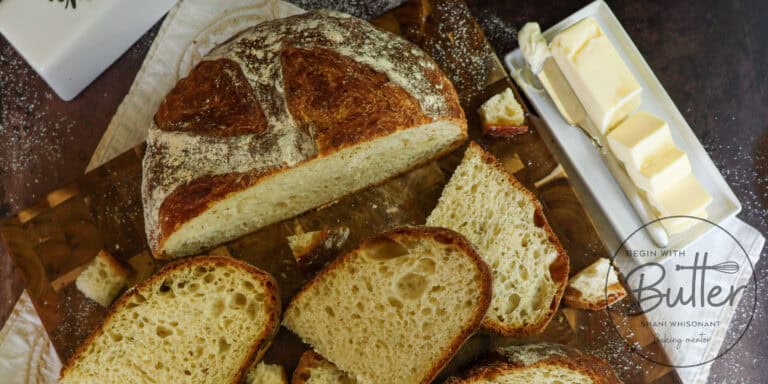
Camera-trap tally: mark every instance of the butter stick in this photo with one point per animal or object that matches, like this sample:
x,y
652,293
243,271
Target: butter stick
x,y
597,74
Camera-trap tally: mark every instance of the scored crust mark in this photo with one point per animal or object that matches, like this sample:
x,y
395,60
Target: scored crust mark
x,y
342,101
214,99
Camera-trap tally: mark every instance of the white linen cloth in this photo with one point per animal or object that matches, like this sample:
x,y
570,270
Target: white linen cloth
x,y
188,32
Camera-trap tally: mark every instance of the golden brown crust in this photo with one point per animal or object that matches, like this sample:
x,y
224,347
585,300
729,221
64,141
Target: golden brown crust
x,y
501,362
214,99
573,298
342,101
262,343
497,130
558,269
442,235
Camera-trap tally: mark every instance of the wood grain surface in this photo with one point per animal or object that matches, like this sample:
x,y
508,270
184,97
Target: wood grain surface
x,y
102,210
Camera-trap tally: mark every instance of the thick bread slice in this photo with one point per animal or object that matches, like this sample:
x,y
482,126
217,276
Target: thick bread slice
x,y
263,373
199,320
595,287
314,369
506,224
102,279
397,308
543,363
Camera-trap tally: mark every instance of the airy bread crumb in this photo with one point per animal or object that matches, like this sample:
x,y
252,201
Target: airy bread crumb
x,y
200,320
395,309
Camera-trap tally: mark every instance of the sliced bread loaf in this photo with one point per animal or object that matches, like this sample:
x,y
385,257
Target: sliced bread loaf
x,y
395,309
314,369
595,287
542,363
506,224
102,279
200,320
263,373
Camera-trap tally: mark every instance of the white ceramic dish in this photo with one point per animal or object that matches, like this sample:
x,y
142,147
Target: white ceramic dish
x,y
587,161
69,43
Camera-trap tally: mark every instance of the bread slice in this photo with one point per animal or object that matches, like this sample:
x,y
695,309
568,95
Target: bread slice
x,y
102,279
595,287
312,249
199,320
314,369
395,309
263,373
506,224
502,115
542,363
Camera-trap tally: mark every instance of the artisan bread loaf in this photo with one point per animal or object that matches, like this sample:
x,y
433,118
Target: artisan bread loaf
x,y
506,224
200,320
314,369
395,309
595,287
289,115
542,363
263,373
102,279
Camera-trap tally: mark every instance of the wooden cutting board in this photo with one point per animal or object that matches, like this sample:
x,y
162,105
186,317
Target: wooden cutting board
x,y
51,241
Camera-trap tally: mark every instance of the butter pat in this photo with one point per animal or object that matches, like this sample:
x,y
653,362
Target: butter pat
x,y
644,144
686,197
597,74
661,171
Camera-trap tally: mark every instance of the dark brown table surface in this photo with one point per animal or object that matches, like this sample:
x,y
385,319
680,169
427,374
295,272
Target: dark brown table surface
x,y
711,56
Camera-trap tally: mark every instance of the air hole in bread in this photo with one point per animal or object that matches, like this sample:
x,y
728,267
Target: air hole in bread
x,y
237,300
385,250
394,302
163,331
411,286
223,345
217,307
